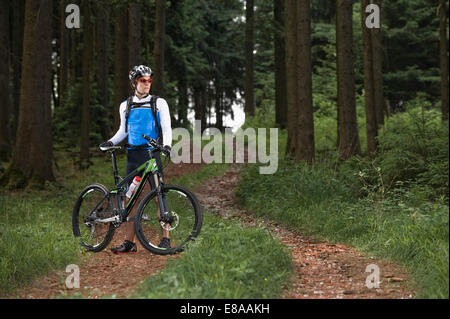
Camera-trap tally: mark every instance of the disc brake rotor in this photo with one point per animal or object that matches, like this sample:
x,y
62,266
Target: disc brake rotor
x,y
175,220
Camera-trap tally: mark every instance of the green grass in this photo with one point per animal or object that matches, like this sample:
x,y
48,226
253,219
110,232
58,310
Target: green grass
x,y
394,206
36,225
324,202
227,260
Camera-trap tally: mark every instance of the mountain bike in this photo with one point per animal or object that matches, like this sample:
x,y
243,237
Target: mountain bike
x,y
98,212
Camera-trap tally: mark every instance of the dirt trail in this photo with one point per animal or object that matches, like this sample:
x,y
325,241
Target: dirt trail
x,y
103,273
321,269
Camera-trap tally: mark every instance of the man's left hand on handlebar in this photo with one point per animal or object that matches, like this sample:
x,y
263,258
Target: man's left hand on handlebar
x,y
166,149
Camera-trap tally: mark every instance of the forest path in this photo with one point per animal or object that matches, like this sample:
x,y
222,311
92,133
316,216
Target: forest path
x,y
321,269
103,273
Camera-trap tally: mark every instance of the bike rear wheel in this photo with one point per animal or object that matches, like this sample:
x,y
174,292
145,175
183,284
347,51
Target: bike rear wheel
x,y
92,205
186,214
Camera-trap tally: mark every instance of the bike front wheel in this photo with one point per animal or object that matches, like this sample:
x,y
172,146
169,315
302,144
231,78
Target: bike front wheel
x,y
92,205
186,220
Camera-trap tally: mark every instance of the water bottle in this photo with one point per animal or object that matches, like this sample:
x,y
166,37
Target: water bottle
x,y
133,186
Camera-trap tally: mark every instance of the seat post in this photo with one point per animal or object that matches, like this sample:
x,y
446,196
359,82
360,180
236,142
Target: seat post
x,y
115,172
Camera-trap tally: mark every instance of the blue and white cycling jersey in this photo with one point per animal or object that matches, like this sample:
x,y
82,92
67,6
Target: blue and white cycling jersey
x,y
141,121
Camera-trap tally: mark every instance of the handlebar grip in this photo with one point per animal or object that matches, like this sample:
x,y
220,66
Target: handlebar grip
x,y
153,142
156,145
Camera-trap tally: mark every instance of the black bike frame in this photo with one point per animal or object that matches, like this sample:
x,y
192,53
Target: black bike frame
x,y
149,169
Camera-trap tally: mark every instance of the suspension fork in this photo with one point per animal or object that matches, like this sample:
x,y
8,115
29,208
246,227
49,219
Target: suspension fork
x,y
162,201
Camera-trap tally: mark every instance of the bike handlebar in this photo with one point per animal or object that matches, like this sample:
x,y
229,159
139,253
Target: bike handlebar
x,y
152,143
156,145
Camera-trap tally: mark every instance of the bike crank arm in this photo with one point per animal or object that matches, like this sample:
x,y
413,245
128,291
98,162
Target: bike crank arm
x,y
114,219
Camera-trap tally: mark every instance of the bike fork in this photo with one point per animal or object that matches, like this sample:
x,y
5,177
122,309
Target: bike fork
x,y
162,202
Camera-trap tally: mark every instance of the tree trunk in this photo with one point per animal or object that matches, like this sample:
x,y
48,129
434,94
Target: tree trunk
x,y
291,75
183,102
200,101
280,65
206,105
443,58
160,33
76,69
387,107
121,69
63,76
249,106
102,65
347,126
31,163
304,149
371,115
16,59
219,107
197,105
5,106
134,34
377,57
87,65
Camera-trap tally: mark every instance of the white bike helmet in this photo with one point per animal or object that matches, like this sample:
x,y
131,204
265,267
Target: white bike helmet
x,y
139,71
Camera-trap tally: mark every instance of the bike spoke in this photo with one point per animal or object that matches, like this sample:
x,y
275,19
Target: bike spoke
x,y
183,223
93,205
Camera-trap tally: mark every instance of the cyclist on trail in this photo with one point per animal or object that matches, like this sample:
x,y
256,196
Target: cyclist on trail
x,y
141,113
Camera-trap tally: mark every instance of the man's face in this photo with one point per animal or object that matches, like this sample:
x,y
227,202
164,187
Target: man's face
x,y
143,85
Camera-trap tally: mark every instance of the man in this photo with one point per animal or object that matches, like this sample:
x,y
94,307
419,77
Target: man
x,y
140,120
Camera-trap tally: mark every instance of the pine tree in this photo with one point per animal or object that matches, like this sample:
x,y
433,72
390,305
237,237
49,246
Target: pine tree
x,y
121,67
160,33
291,75
134,33
304,149
101,65
369,91
348,138
87,65
18,16
249,105
5,107
32,160
280,65
443,57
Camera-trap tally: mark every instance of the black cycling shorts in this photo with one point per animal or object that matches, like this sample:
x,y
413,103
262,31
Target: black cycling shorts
x,y
136,158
